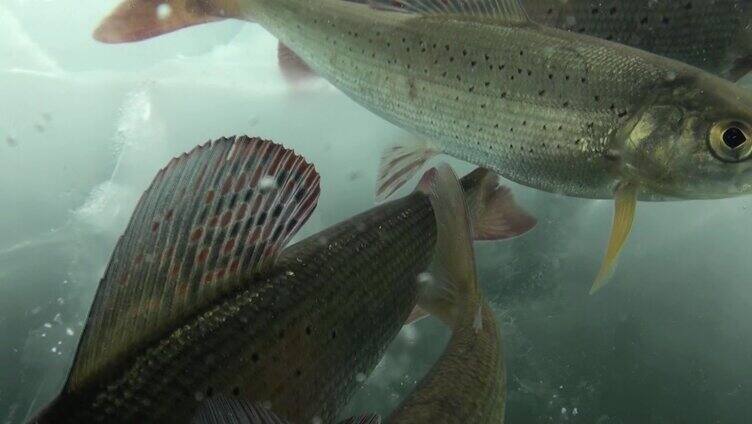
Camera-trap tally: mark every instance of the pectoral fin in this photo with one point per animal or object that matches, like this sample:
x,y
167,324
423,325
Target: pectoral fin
x,y
293,68
626,200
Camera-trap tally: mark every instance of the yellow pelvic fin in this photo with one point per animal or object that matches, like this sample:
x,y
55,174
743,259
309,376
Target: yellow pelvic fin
x,y
625,198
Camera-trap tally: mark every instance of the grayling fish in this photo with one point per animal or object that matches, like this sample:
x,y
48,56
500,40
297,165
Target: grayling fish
x,y
551,109
197,299
713,35
468,382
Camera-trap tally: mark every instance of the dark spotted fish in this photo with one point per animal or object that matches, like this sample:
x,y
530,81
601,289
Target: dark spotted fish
x,y
712,35
199,298
468,382
554,110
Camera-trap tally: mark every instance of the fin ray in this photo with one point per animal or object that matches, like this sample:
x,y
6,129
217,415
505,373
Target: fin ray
x,y
363,419
210,221
399,163
507,10
222,409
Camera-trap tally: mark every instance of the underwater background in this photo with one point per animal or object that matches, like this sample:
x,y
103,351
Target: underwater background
x,y
85,126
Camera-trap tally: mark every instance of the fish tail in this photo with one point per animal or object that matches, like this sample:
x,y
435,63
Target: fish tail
x,y
136,20
452,293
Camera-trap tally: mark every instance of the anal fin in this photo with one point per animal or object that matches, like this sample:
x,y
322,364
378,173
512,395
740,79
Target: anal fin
x,y
625,204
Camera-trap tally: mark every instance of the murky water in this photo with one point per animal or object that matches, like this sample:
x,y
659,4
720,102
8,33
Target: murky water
x,y
84,127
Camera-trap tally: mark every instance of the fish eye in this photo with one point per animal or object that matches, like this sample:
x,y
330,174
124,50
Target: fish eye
x,y
730,141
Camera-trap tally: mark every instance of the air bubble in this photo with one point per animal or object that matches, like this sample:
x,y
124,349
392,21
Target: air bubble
x,y
425,278
164,11
69,331
316,420
360,377
47,325
198,395
267,184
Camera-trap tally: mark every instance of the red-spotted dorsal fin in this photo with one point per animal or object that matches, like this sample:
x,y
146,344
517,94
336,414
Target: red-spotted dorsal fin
x,y
210,221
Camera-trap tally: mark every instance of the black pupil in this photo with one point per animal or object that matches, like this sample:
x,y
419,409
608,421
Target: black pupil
x,y
734,137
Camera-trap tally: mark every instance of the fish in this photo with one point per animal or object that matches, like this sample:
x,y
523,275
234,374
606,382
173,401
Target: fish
x,y
202,298
553,110
468,382
714,36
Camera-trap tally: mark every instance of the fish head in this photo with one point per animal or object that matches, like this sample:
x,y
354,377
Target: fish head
x,y
691,140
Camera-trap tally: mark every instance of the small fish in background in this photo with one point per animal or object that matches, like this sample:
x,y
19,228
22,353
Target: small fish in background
x,y
200,299
11,141
551,109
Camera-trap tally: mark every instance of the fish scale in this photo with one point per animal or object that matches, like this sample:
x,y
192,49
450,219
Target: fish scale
x,y
416,73
707,34
343,293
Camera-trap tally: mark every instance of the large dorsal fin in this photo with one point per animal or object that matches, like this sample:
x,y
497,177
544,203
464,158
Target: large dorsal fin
x,y
506,10
214,215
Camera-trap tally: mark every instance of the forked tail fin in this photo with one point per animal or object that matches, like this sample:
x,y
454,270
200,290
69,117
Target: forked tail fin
x,y
136,20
